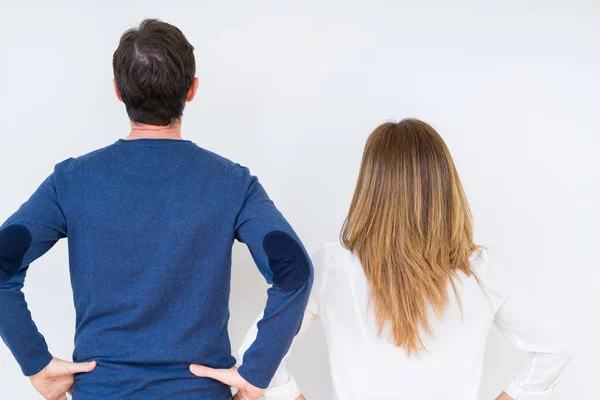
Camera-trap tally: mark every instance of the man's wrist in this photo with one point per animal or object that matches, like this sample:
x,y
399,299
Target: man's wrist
x,y
36,364
251,378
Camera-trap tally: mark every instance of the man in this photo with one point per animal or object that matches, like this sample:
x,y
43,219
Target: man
x,y
151,220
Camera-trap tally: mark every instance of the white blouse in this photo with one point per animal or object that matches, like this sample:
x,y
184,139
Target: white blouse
x,y
365,365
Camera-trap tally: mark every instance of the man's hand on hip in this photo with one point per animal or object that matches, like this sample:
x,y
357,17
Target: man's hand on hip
x,y
230,377
57,378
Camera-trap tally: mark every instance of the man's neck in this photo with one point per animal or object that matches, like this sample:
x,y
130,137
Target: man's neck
x,y
145,131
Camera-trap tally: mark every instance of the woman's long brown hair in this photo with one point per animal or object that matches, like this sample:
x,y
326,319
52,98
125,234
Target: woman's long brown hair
x,y
410,226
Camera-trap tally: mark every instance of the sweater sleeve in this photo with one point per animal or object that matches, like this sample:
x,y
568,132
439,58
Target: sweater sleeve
x,y
283,261
29,233
531,328
283,386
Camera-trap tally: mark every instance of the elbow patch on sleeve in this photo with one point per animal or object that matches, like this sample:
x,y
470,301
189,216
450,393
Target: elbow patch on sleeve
x,y
287,261
15,240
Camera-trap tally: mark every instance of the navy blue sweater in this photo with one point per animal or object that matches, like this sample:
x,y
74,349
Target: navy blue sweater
x,y
151,224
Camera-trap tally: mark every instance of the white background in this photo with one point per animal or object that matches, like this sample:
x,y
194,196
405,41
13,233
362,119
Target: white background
x,y
293,90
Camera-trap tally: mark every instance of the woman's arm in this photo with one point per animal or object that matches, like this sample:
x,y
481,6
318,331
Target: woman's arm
x,y
526,327
529,328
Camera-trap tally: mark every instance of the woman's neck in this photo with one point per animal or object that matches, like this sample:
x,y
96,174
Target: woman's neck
x,y
145,131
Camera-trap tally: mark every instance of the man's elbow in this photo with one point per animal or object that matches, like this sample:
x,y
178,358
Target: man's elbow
x,y
15,240
289,264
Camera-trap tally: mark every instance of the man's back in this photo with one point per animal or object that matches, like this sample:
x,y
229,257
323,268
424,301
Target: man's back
x,y
151,225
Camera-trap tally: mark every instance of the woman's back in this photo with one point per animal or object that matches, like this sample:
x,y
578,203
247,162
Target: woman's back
x,y
367,365
406,298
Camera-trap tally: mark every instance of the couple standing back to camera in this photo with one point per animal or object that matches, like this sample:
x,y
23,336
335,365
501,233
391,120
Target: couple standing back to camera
x,y
406,298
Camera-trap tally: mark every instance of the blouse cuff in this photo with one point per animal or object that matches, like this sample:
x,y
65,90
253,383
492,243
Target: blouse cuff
x,y
288,391
518,393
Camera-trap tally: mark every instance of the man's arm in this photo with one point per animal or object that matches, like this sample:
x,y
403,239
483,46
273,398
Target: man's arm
x,y
283,386
284,263
26,235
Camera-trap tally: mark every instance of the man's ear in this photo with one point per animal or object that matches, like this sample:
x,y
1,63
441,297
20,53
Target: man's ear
x,y
192,92
117,91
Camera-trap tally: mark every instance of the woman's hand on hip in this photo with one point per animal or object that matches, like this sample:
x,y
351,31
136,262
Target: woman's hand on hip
x,y
504,396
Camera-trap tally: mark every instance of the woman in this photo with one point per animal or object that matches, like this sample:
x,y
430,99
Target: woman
x,y
406,299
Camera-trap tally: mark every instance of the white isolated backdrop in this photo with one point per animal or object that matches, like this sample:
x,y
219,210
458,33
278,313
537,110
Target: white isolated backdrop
x,y
292,90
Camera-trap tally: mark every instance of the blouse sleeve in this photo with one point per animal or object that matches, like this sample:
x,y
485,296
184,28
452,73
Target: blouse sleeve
x,y
530,328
